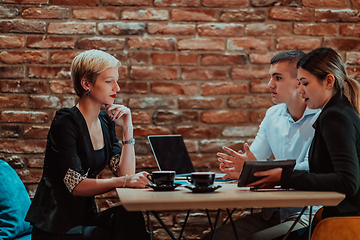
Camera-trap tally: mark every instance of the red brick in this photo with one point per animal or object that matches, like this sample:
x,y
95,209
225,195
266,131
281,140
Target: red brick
x,y
342,44
355,3
224,116
30,175
257,116
223,59
24,117
133,58
35,131
123,72
121,28
268,3
9,11
46,101
174,59
272,29
174,88
257,86
338,15
250,101
46,12
140,117
22,26
201,44
224,88
171,29
145,162
177,3
101,43
196,132
22,146
315,29
126,2
27,56
23,86
353,72
64,56
170,117
290,14
296,43
243,15
203,15
11,131
153,73
76,3
26,1
133,87
13,101
96,13
145,130
350,29
250,43
226,3
151,102
203,74
154,43
327,3
62,86
12,41
353,58
50,42
49,72
261,57
243,131
215,145
71,28
200,103
12,72
250,72
221,30
145,14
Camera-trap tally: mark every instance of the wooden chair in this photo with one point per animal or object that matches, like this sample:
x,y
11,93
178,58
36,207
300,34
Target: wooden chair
x,y
336,228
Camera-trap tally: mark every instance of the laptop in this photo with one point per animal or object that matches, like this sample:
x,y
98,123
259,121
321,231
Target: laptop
x,y
171,153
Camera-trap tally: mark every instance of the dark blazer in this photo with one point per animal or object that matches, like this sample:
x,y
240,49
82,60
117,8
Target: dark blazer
x,y
54,209
333,158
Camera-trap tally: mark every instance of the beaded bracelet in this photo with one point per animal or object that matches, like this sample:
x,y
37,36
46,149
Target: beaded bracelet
x,y
125,180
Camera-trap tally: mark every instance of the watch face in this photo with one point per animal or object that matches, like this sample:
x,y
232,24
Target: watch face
x,y
132,141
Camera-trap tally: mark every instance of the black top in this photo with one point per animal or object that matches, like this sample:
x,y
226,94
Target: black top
x,y
333,158
54,208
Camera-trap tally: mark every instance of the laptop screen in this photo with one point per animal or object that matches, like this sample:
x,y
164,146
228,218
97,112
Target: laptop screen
x,y
170,153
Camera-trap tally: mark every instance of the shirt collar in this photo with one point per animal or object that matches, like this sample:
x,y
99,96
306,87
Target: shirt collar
x,y
307,112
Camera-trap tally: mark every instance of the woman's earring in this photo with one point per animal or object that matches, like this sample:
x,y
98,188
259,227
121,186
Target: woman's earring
x,y
88,92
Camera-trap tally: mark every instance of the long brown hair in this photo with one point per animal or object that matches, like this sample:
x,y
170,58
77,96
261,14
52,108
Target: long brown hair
x,y
323,61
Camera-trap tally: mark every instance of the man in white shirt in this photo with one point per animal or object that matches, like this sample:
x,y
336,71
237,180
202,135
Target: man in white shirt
x,y
286,132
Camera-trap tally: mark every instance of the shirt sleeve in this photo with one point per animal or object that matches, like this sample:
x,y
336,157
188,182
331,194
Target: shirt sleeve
x,y
261,147
62,150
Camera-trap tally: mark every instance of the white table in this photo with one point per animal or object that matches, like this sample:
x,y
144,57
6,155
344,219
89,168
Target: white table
x,y
226,197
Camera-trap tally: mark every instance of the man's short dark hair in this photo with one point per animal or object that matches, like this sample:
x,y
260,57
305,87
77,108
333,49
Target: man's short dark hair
x,y
287,56
291,56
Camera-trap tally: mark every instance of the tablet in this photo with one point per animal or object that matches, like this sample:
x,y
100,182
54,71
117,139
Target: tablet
x,y
251,167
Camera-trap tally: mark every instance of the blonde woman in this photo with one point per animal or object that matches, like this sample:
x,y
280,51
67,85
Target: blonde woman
x,y
81,142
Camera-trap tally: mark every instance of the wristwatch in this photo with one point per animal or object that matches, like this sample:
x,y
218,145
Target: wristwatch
x,y
131,141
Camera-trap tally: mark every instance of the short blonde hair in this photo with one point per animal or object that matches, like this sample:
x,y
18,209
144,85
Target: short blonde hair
x,y
88,65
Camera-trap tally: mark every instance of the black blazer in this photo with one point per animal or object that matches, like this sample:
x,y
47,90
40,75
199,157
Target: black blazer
x,y
54,209
333,158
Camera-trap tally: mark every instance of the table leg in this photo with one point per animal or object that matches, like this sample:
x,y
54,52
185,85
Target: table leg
x,y
163,225
216,221
228,217
310,223
209,219
293,225
184,224
232,223
149,225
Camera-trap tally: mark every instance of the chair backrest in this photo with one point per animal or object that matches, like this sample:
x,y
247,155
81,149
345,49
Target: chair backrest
x,y
335,228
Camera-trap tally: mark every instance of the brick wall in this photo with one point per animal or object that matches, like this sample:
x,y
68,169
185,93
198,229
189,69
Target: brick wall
x,y
198,68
